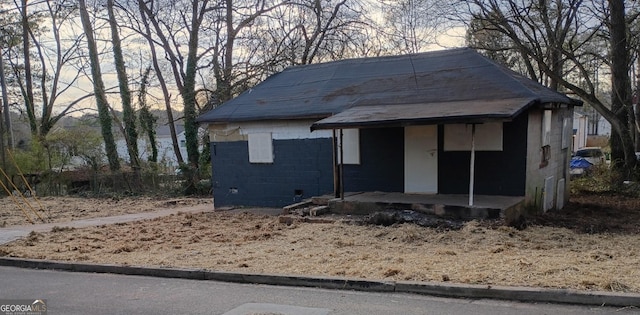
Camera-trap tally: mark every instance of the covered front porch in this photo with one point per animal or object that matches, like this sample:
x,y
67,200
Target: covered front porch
x,y
444,205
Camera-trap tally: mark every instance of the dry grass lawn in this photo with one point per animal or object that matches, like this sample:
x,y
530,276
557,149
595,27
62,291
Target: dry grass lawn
x,y
553,251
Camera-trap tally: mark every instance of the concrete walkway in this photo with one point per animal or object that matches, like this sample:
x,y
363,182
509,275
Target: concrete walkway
x,y
453,290
12,233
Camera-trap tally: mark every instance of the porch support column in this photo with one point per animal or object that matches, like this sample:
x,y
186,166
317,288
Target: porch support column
x,y
473,162
336,172
341,165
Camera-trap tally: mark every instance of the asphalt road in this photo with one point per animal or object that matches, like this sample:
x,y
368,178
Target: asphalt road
x,y
86,293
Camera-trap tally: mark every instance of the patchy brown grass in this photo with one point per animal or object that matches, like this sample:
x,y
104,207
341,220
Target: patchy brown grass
x,y
554,251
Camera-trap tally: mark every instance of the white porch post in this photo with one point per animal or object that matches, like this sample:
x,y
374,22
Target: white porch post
x,y
473,162
341,165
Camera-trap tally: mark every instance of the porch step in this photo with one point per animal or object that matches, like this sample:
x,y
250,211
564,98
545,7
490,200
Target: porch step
x,y
291,208
445,206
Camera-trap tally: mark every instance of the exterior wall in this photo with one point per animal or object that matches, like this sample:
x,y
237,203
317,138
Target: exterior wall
x,y
302,165
556,170
496,172
381,165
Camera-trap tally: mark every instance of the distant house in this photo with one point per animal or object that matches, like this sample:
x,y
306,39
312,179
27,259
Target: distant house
x,y
590,129
445,122
166,154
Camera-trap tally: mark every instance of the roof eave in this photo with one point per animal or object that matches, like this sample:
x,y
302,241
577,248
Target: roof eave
x,y
256,119
475,119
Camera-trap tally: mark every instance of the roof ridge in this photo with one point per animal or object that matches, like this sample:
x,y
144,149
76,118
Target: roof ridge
x,y
510,73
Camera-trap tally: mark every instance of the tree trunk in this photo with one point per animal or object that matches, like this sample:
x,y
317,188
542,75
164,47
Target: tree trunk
x,y
188,93
7,130
28,79
129,117
622,146
637,105
99,90
147,120
144,12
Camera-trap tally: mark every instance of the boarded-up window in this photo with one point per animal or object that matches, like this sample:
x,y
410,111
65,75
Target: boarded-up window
x,y
546,138
488,137
260,148
566,132
351,149
546,127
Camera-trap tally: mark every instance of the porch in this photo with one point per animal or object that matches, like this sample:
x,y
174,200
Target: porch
x,y
449,206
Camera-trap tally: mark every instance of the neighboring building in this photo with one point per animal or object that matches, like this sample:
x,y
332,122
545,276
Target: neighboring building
x,y
580,133
590,129
166,154
407,124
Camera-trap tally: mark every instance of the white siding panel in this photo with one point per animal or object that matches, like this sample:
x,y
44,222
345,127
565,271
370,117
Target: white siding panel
x,y
457,137
549,193
260,148
351,149
285,130
560,194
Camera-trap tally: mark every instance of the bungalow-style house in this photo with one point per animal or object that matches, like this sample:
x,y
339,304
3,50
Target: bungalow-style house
x,y
448,122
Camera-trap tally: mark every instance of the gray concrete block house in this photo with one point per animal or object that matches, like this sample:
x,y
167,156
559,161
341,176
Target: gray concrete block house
x,y
448,122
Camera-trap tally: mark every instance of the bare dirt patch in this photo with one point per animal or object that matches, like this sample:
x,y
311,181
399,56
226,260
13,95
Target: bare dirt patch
x,y
64,209
553,251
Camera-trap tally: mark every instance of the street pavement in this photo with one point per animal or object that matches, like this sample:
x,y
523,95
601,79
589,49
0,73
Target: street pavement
x,y
89,293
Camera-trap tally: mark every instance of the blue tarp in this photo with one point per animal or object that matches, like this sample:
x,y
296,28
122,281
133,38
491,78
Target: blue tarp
x,y
578,162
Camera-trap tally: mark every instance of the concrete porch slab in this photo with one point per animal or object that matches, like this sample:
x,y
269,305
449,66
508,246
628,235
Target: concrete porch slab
x,y
450,206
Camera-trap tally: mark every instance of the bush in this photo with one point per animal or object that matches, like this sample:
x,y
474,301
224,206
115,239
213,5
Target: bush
x,y
602,180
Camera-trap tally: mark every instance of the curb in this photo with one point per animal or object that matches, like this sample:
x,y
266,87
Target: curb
x,y
524,294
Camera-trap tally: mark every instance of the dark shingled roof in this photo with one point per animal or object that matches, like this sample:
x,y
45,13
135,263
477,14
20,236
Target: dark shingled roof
x,y
440,86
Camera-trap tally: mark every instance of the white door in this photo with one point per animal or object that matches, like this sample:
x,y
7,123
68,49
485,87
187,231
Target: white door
x,y
421,159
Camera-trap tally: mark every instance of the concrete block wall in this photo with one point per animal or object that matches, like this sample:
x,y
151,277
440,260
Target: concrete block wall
x,y
302,169
302,165
538,196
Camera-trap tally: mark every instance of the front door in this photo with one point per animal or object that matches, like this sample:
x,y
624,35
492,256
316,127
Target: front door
x,y
421,159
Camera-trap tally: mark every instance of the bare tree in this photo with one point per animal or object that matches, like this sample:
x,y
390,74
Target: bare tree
x,y
99,90
560,43
129,117
28,90
47,66
6,132
147,120
412,25
144,28
257,40
184,71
